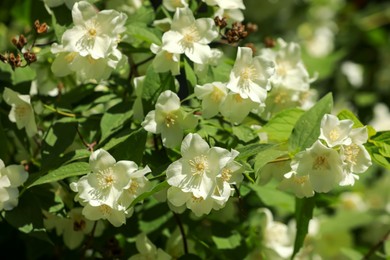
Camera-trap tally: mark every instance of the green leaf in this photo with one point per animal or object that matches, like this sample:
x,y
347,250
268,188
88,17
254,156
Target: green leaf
x,y
143,33
230,242
307,129
114,119
59,137
142,15
244,133
190,74
21,75
273,197
27,216
351,253
280,126
159,187
252,149
303,213
266,156
69,170
347,114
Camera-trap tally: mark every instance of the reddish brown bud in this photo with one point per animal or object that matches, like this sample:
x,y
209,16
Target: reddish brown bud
x,y
269,42
40,28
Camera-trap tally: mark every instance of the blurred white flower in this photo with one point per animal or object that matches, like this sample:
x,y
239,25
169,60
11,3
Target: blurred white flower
x,y
147,250
212,96
235,108
299,185
290,72
169,119
171,5
226,4
73,228
190,36
250,76
11,177
381,120
353,72
21,112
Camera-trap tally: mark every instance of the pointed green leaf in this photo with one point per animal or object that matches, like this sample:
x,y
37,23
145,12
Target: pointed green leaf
x,y
307,129
190,74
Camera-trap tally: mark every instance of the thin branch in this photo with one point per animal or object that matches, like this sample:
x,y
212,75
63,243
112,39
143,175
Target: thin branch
x,y
59,111
377,246
183,235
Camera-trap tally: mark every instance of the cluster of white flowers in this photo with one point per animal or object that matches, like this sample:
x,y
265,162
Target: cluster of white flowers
x,y
188,36
201,180
335,159
89,49
108,191
290,82
21,112
11,177
246,90
73,228
169,119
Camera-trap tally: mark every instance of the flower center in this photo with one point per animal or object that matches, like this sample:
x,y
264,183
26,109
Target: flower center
x,y
226,174
105,210
20,111
92,32
106,178
168,55
321,163
170,120
280,98
196,200
190,35
351,153
238,98
300,179
248,73
334,134
217,94
70,57
133,187
79,225
199,165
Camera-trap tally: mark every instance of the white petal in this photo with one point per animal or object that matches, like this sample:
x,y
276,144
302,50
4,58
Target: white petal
x,y
100,160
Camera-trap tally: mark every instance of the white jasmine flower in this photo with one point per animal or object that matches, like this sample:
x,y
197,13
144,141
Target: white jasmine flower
x,y
276,236
11,177
334,131
190,36
198,205
212,96
127,6
169,119
201,70
171,5
353,72
299,185
74,228
197,169
235,108
95,33
250,76
290,72
234,15
115,215
226,4
21,112
90,47
321,164
165,61
355,156
147,250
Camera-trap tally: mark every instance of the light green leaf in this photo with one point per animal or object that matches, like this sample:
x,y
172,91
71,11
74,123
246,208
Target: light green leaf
x,y
190,74
307,129
69,170
22,75
273,197
159,187
303,213
351,254
143,33
230,242
244,133
252,149
266,156
280,126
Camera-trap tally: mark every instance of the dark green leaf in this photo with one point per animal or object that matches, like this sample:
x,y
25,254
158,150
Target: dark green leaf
x,y
159,187
303,213
273,197
131,148
114,119
307,129
190,74
69,170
